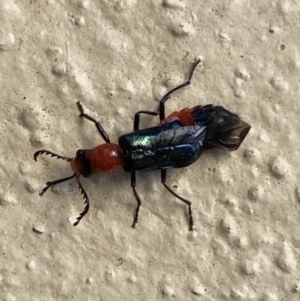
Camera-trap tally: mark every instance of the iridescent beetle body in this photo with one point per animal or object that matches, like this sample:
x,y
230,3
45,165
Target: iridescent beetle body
x,y
178,141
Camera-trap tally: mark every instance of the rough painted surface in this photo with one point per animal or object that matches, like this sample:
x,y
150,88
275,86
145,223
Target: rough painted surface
x,y
118,57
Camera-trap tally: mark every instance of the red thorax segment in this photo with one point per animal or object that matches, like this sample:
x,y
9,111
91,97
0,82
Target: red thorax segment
x,y
105,157
185,115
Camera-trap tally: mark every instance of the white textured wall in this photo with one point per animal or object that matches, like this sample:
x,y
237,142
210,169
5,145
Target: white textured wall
x,y
118,57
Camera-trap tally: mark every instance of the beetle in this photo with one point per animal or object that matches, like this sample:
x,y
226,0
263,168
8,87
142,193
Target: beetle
x,y
178,141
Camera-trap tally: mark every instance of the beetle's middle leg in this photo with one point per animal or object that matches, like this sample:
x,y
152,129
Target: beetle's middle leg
x,y
136,122
163,180
137,197
97,123
167,96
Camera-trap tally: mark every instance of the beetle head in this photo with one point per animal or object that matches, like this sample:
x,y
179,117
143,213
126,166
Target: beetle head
x,y
80,164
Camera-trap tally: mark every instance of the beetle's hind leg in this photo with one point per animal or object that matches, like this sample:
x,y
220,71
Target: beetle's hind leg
x,y
167,96
97,123
163,180
137,197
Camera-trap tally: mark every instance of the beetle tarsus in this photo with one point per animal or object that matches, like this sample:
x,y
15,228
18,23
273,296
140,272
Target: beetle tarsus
x,y
196,62
136,214
191,219
134,223
44,189
86,203
80,108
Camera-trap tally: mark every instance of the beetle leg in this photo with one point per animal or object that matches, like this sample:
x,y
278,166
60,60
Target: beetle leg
x,y
163,180
86,203
137,118
97,123
167,96
49,184
136,214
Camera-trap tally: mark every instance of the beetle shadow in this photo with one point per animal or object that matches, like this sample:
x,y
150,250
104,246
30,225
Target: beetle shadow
x,y
106,189
217,154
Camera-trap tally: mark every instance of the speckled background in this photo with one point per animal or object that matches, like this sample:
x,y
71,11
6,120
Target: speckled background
x,y
118,57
